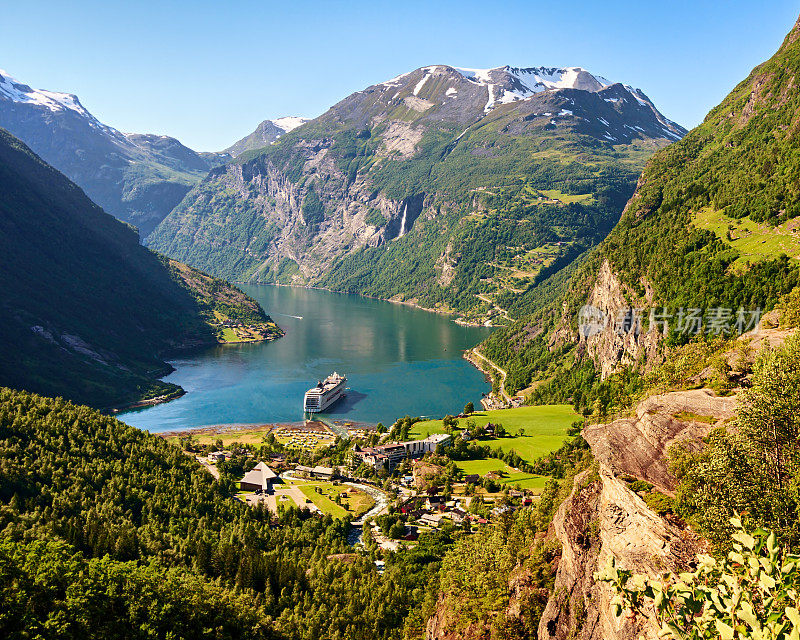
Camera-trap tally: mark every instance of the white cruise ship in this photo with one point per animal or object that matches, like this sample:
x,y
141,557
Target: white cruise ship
x,y
325,393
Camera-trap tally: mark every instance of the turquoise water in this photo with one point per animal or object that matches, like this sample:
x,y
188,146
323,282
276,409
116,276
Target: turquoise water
x,y
398,360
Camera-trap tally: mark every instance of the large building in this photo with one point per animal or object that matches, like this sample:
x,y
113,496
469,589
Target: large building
x,y
388,456
319,472
259,477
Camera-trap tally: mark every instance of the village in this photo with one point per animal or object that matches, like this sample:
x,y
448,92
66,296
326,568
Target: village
x,y
391,486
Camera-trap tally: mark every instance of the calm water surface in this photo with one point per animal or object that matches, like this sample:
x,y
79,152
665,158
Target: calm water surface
x,y
398,361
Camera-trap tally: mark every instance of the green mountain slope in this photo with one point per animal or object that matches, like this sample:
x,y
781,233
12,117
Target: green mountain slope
x,y
88,313
712,224
438,186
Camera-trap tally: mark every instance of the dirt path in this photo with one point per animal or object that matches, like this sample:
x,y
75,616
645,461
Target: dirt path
x,y
290,491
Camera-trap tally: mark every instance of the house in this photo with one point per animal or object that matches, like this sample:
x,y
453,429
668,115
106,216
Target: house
x,y
472,478
431,519
305,472
434,502
456,515
259,477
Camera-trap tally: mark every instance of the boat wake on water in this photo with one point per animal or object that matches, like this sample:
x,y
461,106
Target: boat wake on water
x,y
288,315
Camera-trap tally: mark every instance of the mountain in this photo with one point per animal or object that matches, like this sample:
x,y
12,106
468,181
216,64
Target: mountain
x,y
713,224
446,187
266,133
137,178
89,313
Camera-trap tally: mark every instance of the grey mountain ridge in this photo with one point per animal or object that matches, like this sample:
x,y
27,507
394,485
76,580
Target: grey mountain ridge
x,y
138,178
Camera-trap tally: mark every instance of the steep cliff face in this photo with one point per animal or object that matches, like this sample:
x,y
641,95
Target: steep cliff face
x,y
622,523
622,339
308,228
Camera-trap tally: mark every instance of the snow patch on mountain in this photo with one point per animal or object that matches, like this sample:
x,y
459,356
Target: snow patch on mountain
x,y
421,83
15,91
287,123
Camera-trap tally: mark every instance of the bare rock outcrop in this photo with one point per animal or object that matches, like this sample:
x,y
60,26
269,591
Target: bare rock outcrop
x,y
638,446
621,340
605,518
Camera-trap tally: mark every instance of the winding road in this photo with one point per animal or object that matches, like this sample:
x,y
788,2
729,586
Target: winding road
x,y
502,385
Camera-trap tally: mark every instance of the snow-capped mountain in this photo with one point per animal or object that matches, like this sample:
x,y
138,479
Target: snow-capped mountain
x,y
508,84
404,159
138,178
266,133
15,91
504,85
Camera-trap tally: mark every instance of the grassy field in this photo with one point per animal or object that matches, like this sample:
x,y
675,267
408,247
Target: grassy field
x,y
566,198
244,435
508,475
323,495
753,240
544,428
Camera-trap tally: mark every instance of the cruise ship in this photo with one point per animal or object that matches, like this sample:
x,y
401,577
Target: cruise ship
x,y
325,393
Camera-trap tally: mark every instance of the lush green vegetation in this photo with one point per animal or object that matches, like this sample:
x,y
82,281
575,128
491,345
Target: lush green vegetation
x,y
754,469
90,506
532,432
88,313
327,497
475,574
507,475
751,593
740,165
48,590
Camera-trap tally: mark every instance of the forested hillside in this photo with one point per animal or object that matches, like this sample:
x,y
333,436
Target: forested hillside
x,y
713,224
453,188
89,503
88,313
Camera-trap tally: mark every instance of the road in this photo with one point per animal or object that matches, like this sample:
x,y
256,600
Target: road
x,y
502,385
212,469
492,305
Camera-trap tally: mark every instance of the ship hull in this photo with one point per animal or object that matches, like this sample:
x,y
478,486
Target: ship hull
x,y
317,400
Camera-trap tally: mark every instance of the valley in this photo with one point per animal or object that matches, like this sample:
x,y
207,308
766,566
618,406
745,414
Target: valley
x,y
418,189
566,329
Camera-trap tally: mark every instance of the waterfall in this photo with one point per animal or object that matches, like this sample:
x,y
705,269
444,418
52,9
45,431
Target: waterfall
x,y
403,222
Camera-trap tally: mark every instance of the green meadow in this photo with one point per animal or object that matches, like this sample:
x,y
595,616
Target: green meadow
x,y
544,428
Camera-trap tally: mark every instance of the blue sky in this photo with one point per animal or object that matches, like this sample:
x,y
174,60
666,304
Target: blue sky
x,y
209,72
